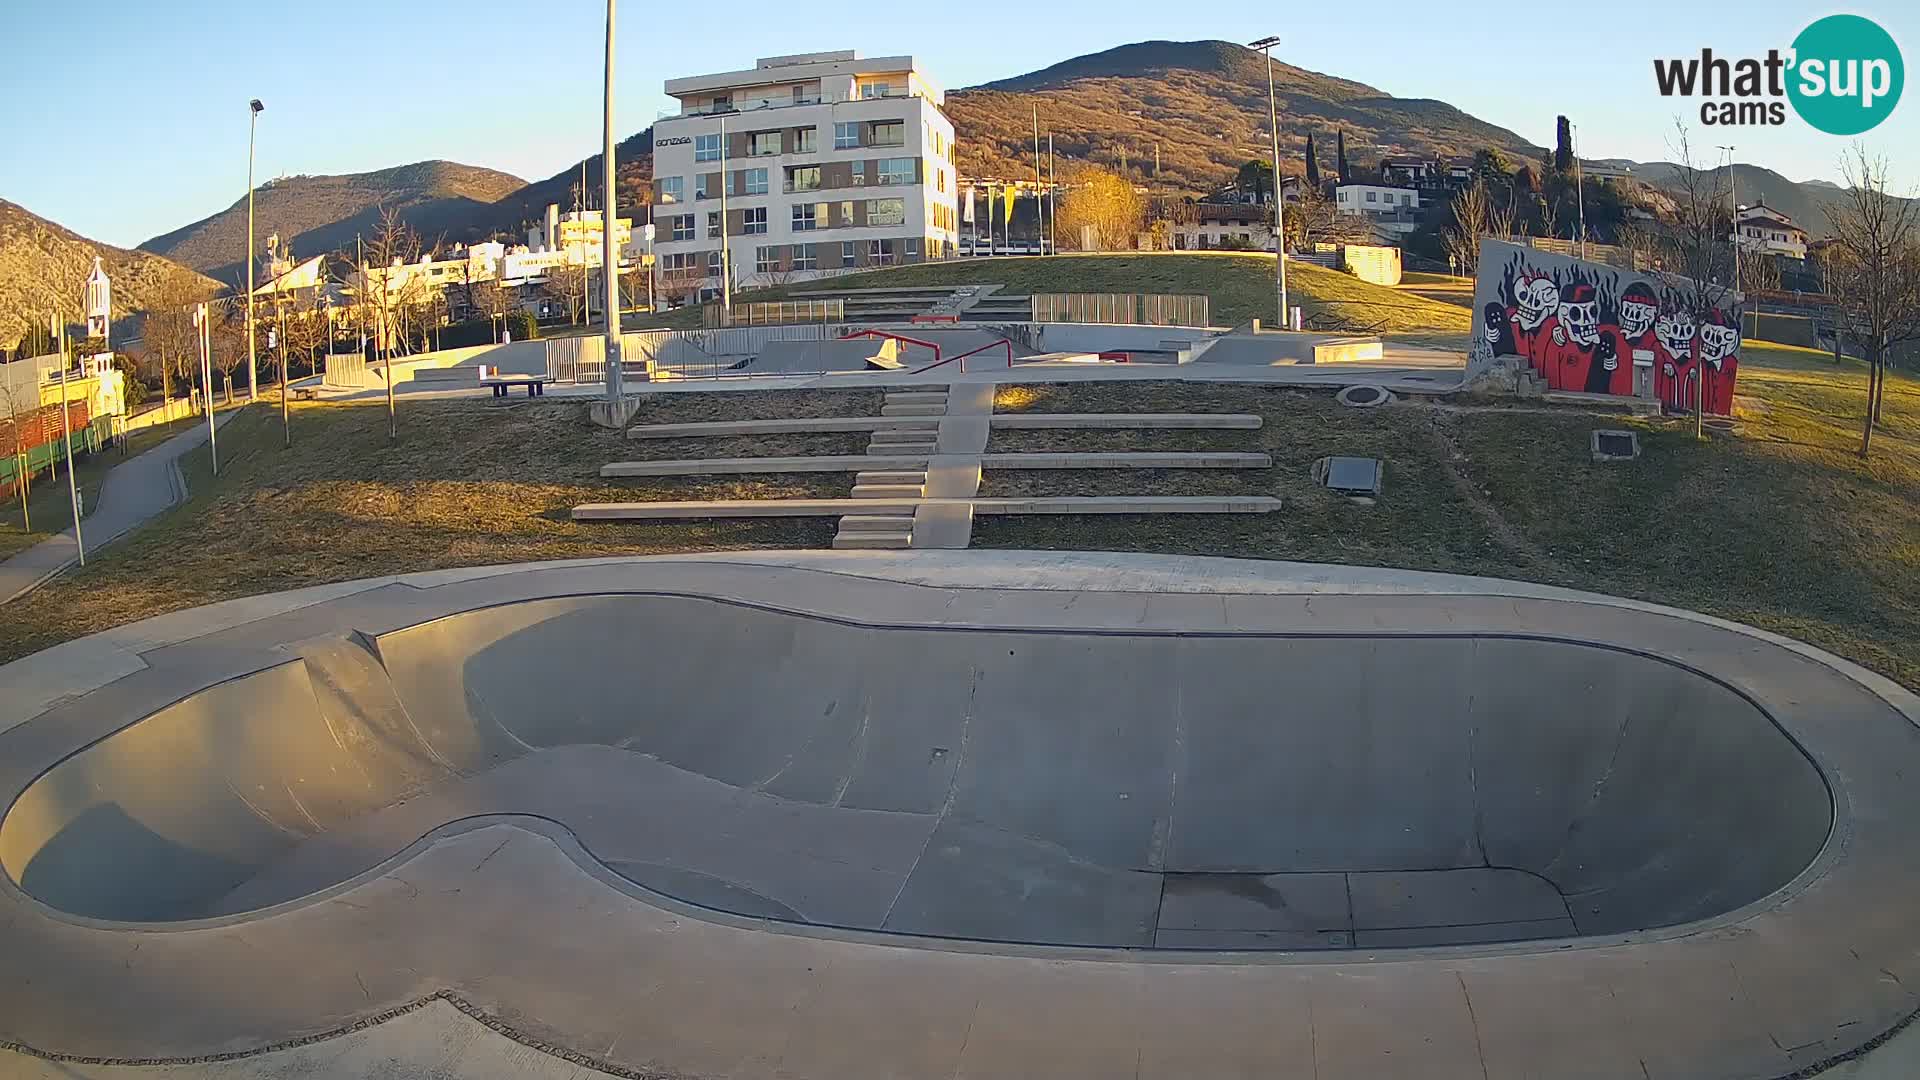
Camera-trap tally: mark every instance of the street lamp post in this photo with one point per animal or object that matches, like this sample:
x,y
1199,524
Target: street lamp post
x,y
1579,186
610,258
1733,193
1266,45
254,108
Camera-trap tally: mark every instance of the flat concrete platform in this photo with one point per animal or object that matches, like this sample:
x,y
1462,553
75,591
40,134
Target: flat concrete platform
x,y
1053,504
832,814
1205,459
1193,421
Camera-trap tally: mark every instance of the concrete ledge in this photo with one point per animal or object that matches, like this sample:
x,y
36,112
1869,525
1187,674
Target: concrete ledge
x,y
1115,504
905,462
1127,460
791,426
1246,421
725,466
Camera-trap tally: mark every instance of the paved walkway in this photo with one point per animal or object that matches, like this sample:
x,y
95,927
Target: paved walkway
x,y
134,491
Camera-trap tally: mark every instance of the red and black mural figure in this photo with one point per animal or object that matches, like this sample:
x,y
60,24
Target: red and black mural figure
x,y
1597,329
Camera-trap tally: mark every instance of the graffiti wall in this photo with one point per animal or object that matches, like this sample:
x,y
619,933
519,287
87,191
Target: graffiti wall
x,y
1586,326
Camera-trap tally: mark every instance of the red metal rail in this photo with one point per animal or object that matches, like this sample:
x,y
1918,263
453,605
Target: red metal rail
x,y
898,337
973,352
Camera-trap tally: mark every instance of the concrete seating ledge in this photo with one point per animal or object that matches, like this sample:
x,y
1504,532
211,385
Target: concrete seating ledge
x,y
804,424
885,462
1115,504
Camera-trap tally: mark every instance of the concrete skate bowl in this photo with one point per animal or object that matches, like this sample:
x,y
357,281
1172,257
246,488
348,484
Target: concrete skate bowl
x,y
1225,791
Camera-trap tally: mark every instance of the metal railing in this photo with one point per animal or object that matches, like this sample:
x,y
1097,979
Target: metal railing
x,y
775,313
1125,309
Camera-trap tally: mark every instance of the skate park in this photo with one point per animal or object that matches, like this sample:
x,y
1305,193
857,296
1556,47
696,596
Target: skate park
x,y
986,813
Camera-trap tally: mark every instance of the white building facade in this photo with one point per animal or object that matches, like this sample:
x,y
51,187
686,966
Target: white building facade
x,y
1766,231
1394,211
830,162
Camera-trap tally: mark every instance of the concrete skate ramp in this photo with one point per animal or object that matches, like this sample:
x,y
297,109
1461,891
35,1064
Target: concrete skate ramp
x,y
854,354
1196,791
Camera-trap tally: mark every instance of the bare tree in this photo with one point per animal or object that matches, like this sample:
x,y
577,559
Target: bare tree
x,y
565,286
172,340
1475,214
1874,271
1700,234
383,285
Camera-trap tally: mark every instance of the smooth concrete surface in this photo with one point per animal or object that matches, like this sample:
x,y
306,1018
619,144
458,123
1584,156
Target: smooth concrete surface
x,y
1202,459
789,426
1198,421
1142,723
133,493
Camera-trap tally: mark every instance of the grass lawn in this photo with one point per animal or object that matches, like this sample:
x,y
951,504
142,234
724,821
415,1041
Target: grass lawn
x,y
1240,286
48,505
468,483
1780,525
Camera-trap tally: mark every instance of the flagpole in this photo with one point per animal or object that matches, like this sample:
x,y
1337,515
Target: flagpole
x,y
66,423
1039,207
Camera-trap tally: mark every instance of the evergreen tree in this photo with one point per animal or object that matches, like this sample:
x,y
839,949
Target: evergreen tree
x,y
1340,157
1313,164
1562,145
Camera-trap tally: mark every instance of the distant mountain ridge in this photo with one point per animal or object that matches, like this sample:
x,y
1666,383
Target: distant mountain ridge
x,y
44,268
1204,105
318,214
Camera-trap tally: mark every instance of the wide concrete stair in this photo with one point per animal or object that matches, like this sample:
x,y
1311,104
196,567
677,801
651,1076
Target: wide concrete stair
x,y
893,528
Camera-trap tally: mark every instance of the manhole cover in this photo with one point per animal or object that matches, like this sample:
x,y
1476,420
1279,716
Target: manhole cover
x,y
1615,445
1363,397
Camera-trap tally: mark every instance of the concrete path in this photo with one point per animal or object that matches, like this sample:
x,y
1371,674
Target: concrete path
x,y
134,491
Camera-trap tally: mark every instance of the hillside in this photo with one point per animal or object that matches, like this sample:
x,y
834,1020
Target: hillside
x,y
323,213
1204,104
1806,203
42,264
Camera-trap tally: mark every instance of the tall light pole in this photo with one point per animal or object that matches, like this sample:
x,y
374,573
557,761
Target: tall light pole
x,y
1733,192
726,249
1266,45
611,258
1579,186
254,108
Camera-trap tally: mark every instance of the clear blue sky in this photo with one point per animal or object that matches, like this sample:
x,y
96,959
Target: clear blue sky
x,y
127,118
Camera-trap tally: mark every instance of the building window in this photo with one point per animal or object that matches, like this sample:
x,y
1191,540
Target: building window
x,y
809,216
849,253
805,257
897,170
670,189
706,147
682,226
805,140
803,178
713,224
763,144
878,90
859,174
754,182
766,258
889,133
886,211
713,261
846,213
880,252
940,180
936,144
753,221
846,136
701,189
913,247
1372,196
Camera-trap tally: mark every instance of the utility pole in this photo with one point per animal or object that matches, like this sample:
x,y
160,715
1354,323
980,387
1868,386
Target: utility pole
x,y
726,248
580,215
1039,204
1053,200
1733,192
66,423
1266,45
1579,185
204,324
254,109
612,256
280,318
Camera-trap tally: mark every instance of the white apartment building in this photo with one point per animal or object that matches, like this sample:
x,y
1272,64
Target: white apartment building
x,y
1760,228
831,163
1393,210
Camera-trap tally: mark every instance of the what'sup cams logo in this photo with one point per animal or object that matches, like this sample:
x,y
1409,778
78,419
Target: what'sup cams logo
x,y
1843,75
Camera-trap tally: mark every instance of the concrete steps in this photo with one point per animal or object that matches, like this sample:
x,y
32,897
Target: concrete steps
x,y
913,410
917,397
891,476
890,531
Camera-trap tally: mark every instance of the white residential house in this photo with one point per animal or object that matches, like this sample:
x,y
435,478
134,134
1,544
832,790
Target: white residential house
x,y
1762,229
831,163
1394,211
1228,226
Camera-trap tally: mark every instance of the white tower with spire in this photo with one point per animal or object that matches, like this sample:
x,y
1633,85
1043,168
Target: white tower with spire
x,y
99,302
